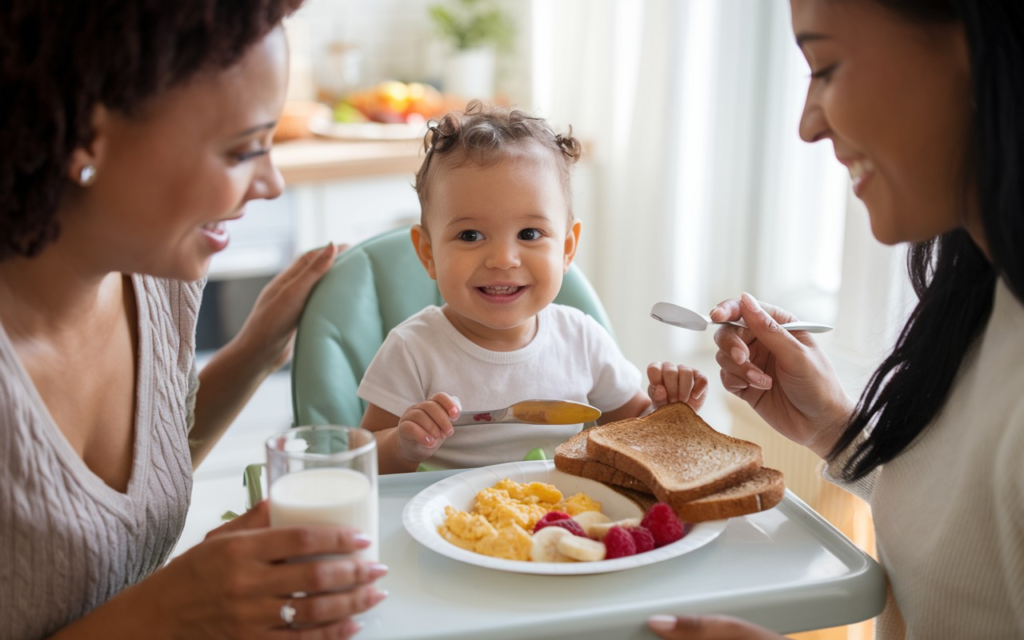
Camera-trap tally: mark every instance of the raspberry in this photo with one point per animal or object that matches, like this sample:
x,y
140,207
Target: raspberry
x,y
569,525
618,544
663,524
548,518
643,538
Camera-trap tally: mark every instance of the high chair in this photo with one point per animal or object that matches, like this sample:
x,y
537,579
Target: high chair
x,y
371,288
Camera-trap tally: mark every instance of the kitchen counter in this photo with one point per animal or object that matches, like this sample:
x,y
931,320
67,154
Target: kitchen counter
x,y
315,160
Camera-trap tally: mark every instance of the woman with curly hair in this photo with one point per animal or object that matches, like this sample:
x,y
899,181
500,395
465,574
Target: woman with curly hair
x,y
131,133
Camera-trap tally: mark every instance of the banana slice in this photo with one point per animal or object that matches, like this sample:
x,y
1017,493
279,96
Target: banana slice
x,y
582,549
600,530
545,545
588,519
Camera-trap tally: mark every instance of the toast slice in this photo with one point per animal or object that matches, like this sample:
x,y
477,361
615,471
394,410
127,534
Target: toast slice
x,y
571,457
674,453
760,492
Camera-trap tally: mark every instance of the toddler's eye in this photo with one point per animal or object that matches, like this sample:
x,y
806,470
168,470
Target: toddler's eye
x,y
469,236
530,234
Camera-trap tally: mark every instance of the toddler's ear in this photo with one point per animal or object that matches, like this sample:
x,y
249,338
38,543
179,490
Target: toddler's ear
x,y
572,242
421,242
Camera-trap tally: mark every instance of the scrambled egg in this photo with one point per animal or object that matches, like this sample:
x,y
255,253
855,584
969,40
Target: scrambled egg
x,y
502,517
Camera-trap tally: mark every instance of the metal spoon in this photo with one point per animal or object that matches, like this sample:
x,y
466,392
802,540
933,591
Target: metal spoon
x,y
685,318
534,412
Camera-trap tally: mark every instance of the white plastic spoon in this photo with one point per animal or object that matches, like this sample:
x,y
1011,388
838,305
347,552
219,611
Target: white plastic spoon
x,y
684,318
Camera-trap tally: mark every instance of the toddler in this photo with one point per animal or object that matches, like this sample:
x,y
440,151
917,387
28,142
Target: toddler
x,y
497,233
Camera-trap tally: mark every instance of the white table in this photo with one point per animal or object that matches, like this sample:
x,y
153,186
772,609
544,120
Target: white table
x,y
786,568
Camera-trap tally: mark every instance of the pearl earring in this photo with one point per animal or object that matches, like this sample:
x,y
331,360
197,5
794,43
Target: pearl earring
x,y
87,175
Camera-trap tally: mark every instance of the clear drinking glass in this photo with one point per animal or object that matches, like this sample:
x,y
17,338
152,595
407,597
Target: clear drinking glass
x,y
325,475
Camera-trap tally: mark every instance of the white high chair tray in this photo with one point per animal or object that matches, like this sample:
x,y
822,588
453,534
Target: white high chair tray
x,y
786,568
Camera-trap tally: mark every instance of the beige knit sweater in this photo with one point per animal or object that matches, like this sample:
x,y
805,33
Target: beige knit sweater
x,y
949,511
68,541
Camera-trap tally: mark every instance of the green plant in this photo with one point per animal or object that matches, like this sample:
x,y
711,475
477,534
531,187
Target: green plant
x,y
473,23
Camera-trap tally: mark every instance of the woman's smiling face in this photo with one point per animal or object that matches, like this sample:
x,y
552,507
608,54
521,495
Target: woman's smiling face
x,y
894,96
169,177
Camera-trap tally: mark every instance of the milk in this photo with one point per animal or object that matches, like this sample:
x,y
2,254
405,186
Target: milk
x,y
333,496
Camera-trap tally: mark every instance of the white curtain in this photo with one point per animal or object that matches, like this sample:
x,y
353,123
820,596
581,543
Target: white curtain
x,y
697,186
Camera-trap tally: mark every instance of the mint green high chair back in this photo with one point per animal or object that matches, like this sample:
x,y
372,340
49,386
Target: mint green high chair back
x,y
373,287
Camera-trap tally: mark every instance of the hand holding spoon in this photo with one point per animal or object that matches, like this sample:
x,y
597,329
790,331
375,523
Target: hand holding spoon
x,y
685,318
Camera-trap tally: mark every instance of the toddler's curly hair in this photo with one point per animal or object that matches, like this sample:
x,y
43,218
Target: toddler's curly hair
x,y
60,58
484,134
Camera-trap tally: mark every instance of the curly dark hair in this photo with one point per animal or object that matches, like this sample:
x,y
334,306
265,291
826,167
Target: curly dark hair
x,y
60,59
483,134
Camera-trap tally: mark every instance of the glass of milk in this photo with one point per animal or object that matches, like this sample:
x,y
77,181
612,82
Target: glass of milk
x,y
324,475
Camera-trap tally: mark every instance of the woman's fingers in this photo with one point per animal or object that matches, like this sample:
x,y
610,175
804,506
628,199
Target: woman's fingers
x,y
708,628
310,266
320,609
275,545
335,631
748,373
732,383
726,310
322,575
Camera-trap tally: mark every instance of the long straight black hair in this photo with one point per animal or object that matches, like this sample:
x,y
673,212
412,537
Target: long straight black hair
x,y
953,279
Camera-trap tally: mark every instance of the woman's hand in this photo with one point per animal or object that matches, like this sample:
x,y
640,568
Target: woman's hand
x,y
784,376
708,628
235,583
268,331
263,344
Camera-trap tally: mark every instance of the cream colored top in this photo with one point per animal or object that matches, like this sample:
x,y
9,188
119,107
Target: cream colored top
x,y
68,541
949,511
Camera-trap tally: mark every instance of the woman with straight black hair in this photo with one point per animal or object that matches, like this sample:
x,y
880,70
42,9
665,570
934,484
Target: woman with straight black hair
x,y
923,100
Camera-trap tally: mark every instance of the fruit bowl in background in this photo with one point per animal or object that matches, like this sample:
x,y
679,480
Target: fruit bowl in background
x,y
328,128
390,110
425,513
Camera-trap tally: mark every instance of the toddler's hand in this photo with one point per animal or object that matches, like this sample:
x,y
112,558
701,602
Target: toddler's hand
x,y
676,383
425,426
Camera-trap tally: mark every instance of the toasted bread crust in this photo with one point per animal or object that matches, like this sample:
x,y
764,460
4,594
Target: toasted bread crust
x,y
571,457
642,499
674,453
762,491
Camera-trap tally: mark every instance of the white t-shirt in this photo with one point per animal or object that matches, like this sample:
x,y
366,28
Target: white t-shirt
x,y
572,357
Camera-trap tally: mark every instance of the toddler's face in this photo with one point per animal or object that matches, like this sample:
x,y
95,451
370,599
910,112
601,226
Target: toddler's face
x,y
498,240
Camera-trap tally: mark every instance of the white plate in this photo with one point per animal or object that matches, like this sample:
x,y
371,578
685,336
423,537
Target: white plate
x,y
425,513
367,130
